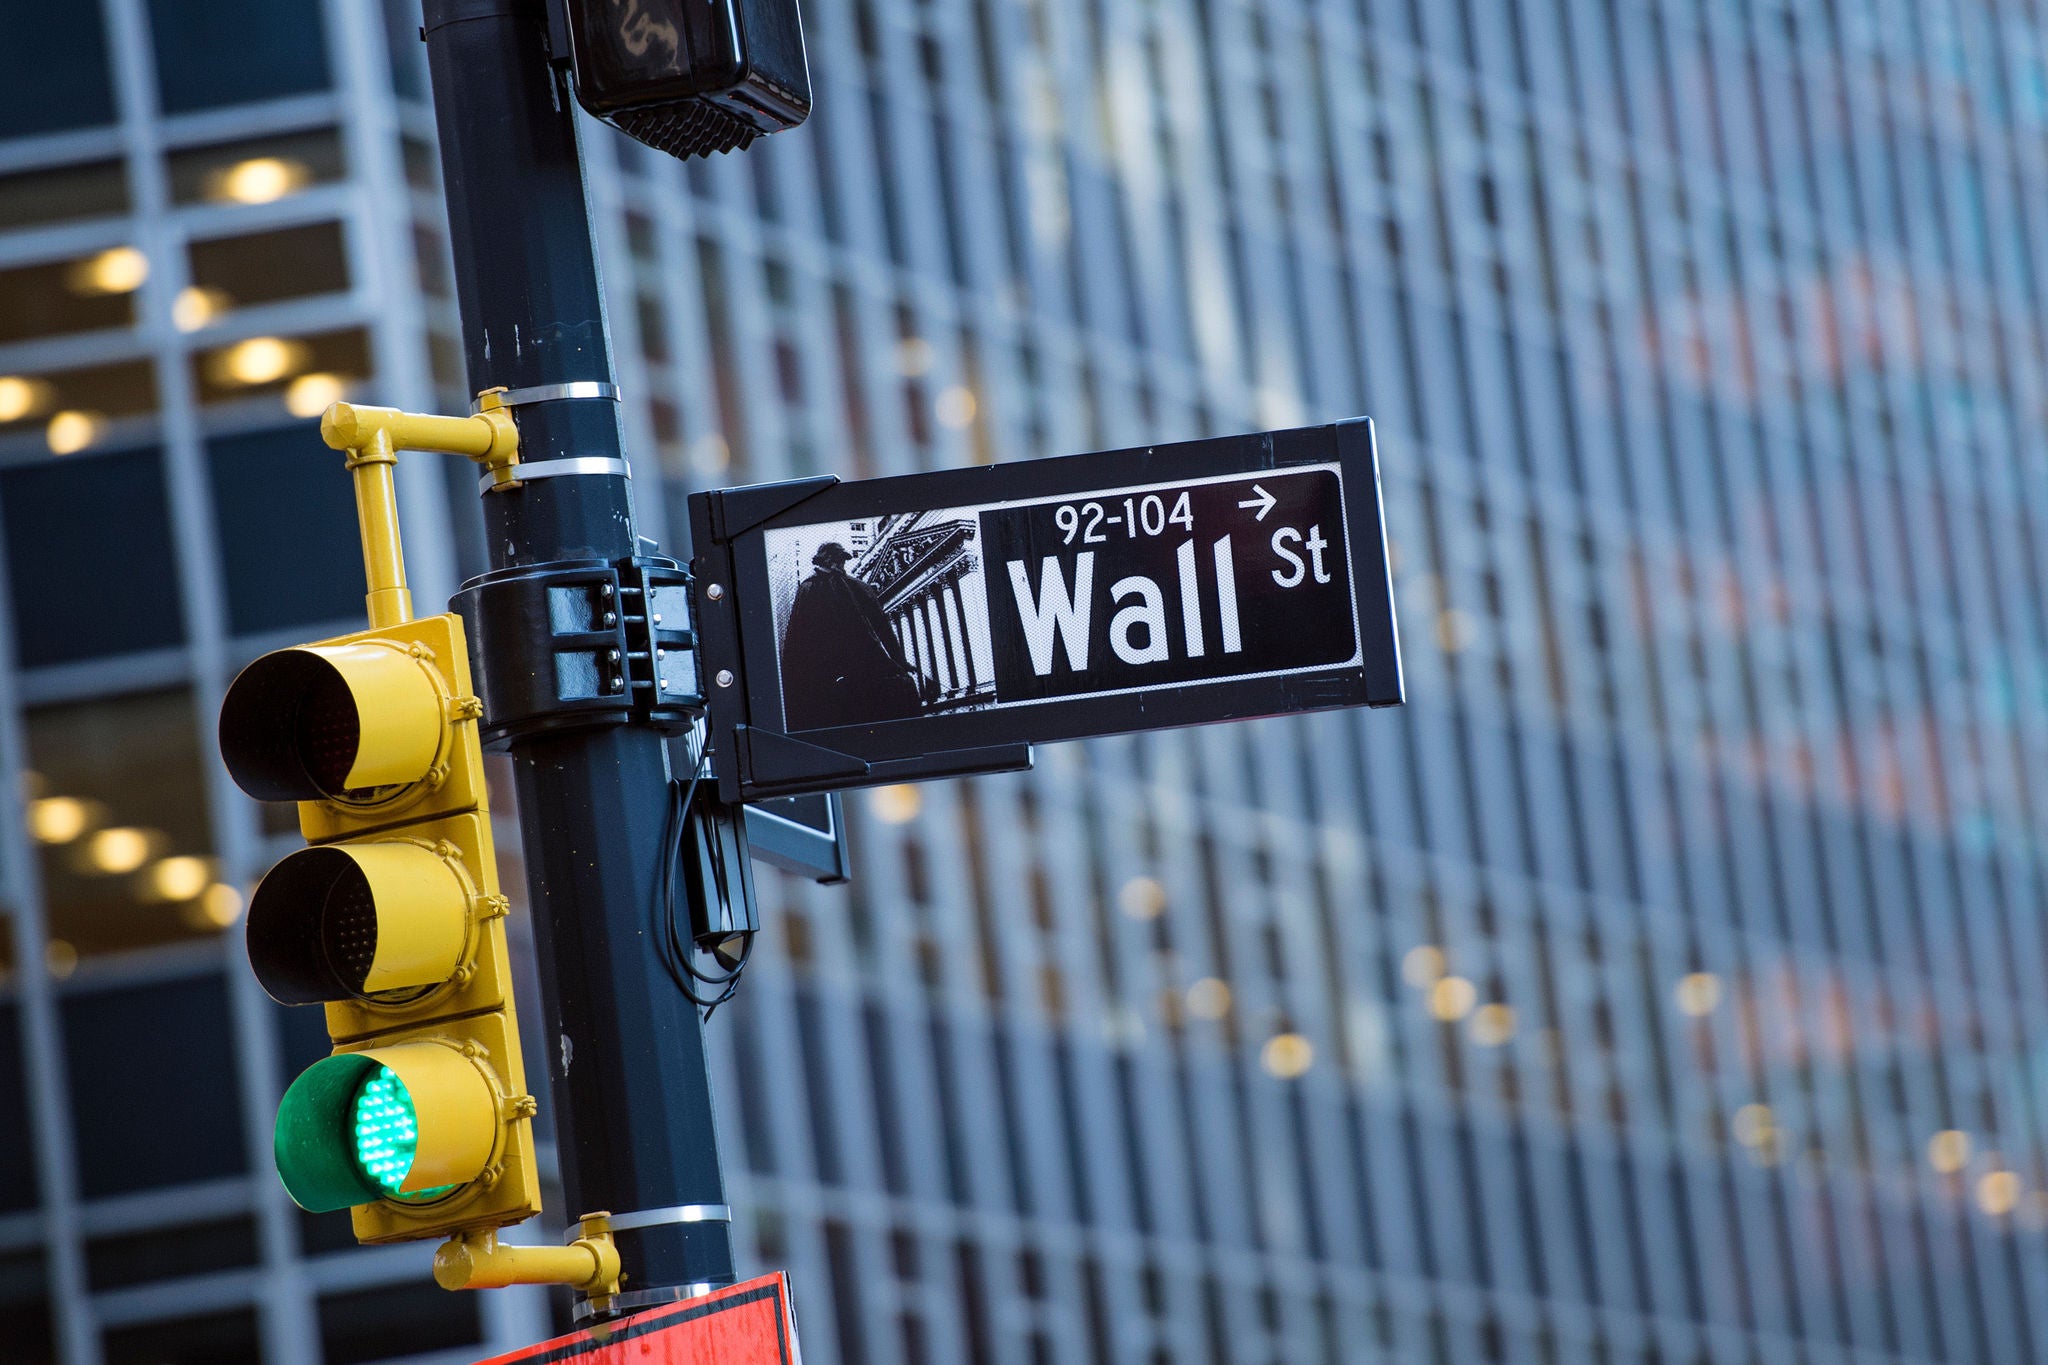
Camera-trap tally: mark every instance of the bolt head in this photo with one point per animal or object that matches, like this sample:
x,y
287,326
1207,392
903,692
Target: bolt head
x,y
725,677
715,592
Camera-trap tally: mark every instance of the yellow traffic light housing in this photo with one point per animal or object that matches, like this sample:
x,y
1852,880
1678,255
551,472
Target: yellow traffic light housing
x,y
420,1122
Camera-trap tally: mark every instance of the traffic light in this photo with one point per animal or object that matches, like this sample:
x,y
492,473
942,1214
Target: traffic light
x,y
392,918
394,921
690,77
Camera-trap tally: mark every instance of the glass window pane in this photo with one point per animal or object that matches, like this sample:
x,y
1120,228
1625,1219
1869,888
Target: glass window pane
x,y
395,1320
287,522
25,1328
215,52
216,1339
118,807
289,263
255,170
72,408
124,1259
306,373
123,1061
56,68
57,195
57,298
68,605
17,1150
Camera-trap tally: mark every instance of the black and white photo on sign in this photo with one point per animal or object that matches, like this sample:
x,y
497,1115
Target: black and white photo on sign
x,y
880,619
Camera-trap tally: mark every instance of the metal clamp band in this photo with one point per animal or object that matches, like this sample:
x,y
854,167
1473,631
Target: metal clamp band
x,y
555,469
547,393
679,1213
646,1298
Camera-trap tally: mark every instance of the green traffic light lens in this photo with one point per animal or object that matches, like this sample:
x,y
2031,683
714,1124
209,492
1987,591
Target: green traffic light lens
x,y
387,1134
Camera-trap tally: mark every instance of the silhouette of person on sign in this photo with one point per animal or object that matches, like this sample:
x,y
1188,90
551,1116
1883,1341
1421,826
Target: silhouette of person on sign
x,y
842,663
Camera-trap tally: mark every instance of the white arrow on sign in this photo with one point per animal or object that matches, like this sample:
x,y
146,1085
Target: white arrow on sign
x,y
1265,502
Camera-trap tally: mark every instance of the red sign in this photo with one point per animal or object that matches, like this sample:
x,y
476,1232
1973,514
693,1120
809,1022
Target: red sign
x,y
747,1324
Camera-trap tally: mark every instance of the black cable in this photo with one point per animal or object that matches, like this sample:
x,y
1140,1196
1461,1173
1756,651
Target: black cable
x,y
681,951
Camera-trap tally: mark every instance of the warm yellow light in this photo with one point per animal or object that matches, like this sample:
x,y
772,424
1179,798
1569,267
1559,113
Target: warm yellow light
x,y
197,305
121,849
261,360
1423,967
1287,1055
1209,998
1697,994
1142,898
1493,1025
118,270
312,394
260,180
179,878
896,805
70,432
1754,1125
1949,1151
58,819
21,397
221,904
1998,1192
60,957
1453,630
710,454
913,357
956,407
1452,998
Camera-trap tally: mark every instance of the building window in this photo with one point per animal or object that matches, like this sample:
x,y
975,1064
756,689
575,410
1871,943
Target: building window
x,y
118,809
77,410
122,1061
286,520
211,53
63,193
57,76
305,373
17,1151
256,170
389,1321
263,267
57,298
82,596
216,1339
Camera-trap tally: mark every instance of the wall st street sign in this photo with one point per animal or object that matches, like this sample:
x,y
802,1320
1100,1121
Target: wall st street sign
x,y
938,624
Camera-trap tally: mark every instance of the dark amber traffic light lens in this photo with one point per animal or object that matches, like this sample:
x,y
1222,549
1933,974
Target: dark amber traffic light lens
x,y
335,722
383,921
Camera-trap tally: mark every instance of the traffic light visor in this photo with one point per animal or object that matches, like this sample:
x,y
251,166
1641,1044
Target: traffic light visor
x,y
409,1123
331,721
358,921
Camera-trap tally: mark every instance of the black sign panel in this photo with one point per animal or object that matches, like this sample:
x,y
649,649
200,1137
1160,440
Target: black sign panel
x,y
937,624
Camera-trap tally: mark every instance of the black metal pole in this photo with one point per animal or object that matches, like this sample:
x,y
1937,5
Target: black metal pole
x,y
625,1050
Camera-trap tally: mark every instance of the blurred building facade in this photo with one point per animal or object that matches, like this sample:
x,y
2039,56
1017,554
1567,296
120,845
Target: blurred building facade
x,y
1662,985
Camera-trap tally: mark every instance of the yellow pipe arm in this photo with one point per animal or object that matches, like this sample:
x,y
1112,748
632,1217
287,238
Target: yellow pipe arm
x,y
478,1260
490,438
372,438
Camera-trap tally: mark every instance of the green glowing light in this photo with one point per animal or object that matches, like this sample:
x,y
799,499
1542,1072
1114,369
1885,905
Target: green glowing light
x,y
387,1134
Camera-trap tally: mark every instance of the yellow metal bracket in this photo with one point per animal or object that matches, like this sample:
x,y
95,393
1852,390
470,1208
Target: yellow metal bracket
x,y
478,1260
372,438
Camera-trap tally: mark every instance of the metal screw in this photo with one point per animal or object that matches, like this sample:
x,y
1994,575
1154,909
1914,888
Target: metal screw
x,y
657,618
715,592
605,590
611,618
663,684
725,677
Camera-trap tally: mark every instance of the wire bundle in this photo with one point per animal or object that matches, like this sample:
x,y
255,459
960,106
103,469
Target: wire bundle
x,y
706,990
